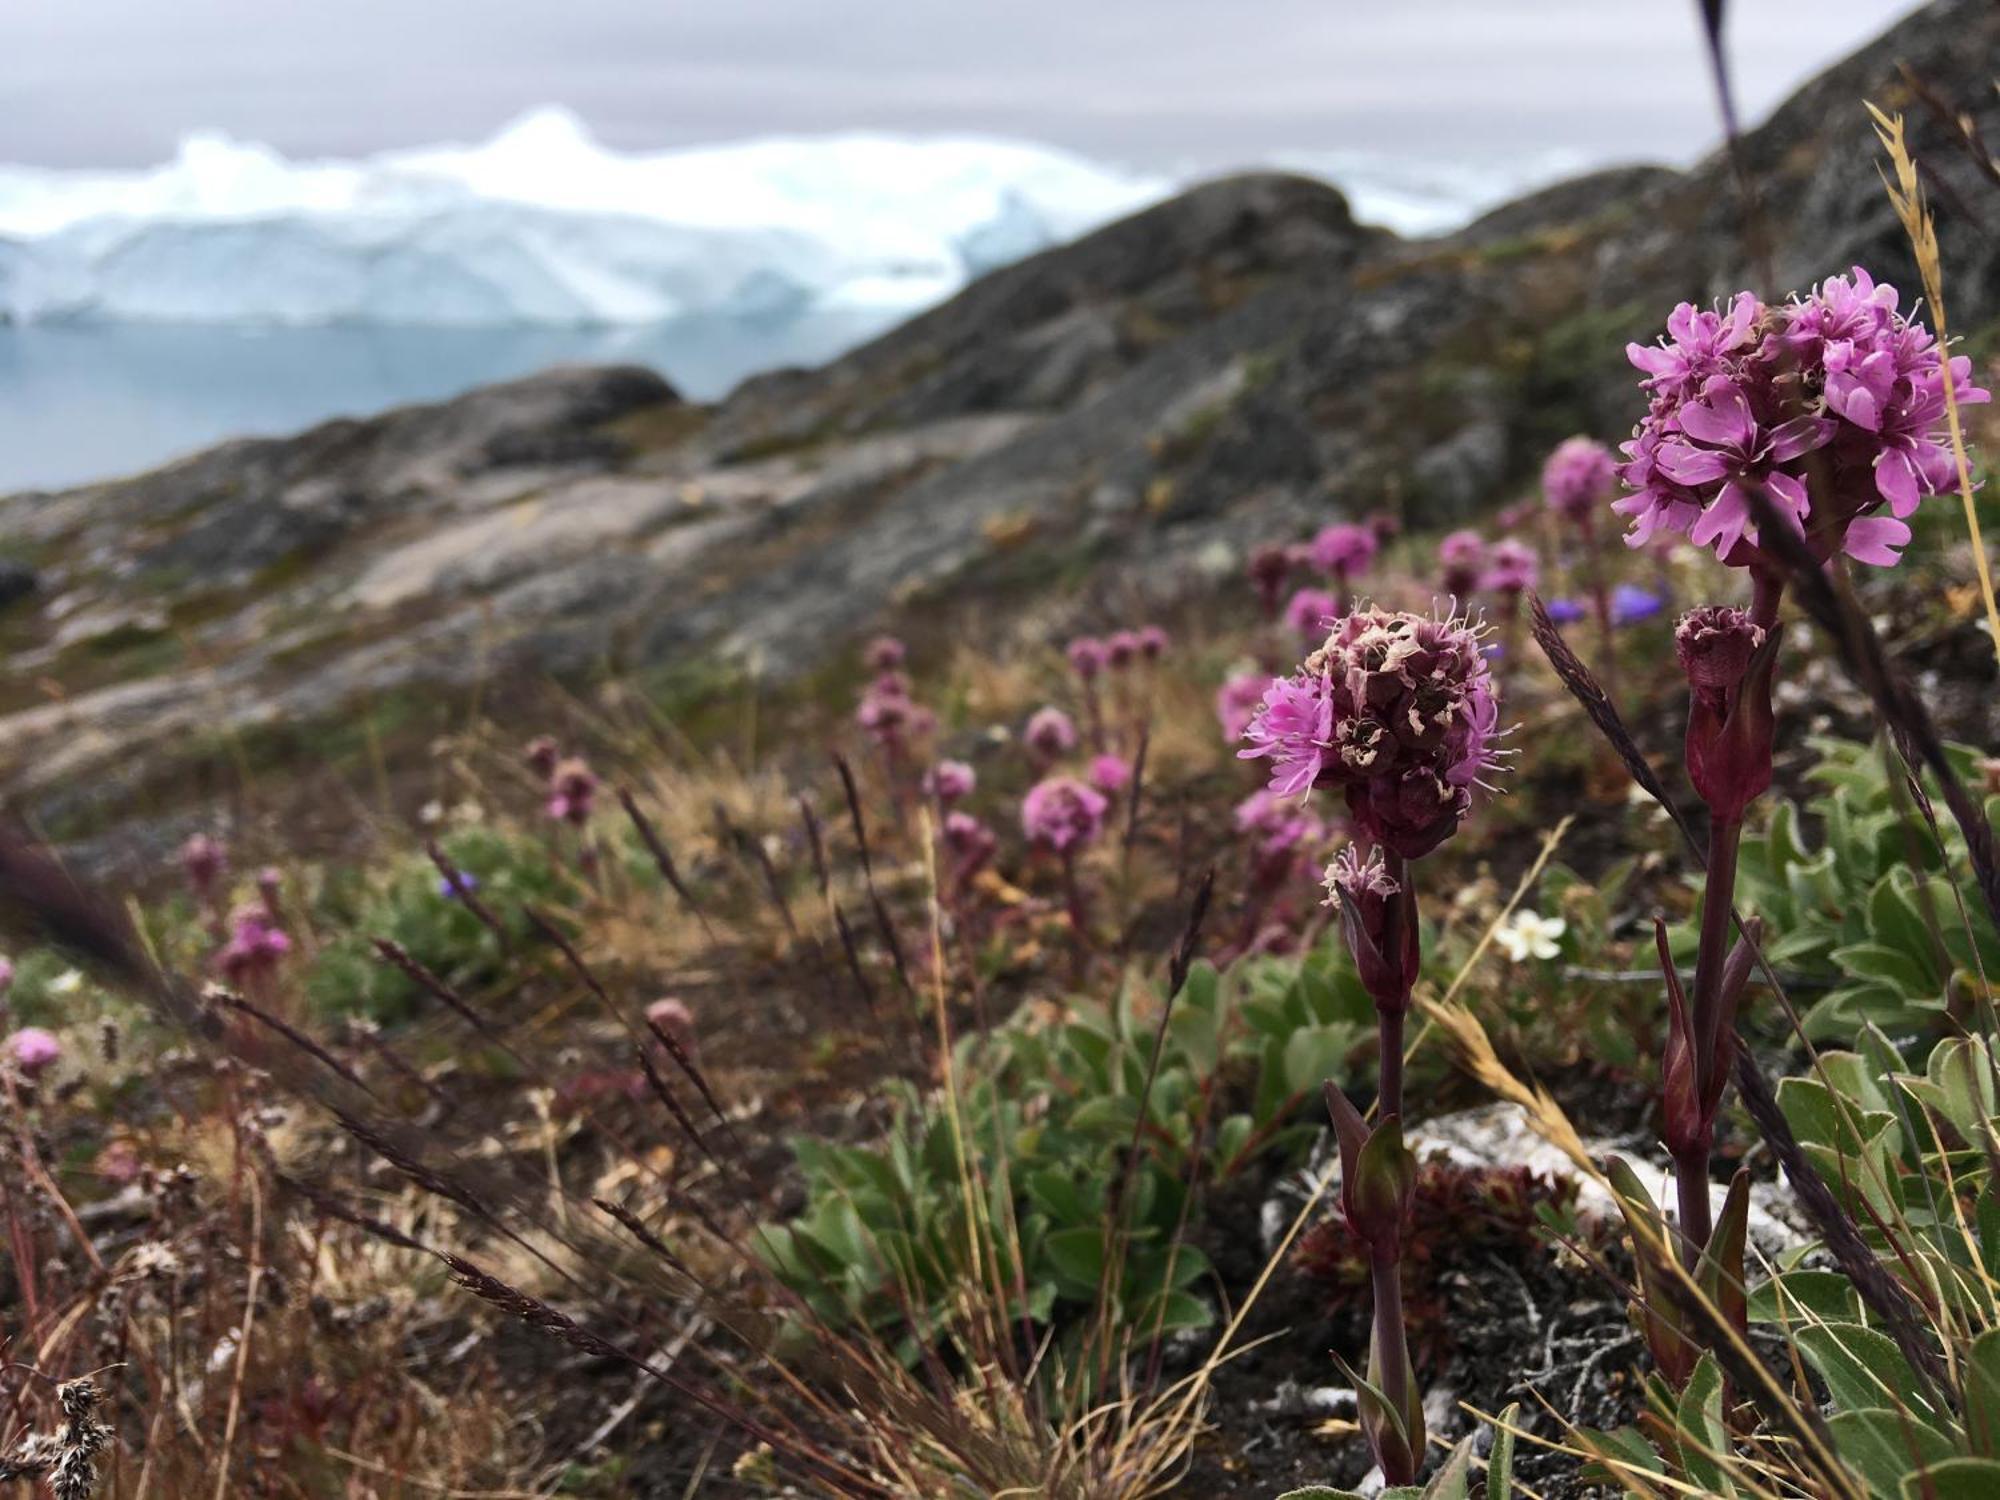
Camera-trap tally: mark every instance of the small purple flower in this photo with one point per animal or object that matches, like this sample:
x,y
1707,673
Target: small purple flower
x,y
457,887
885,654
256,946
950,780
572,792
1343,551
203,860
1461,557
542,754
1121,649
1110,774
1310,612
1578,477
1152,642
1088,656
1630,604
1270,567
1062,814
887,713
1512,567
1050,734
1237,700
1565,611
33,1050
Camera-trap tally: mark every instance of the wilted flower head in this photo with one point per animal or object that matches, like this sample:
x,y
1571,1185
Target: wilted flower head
x,y
1236,701
1715,644
1399,712
541,754
31,1049
949,780
1630,604
1512,567
1309,612
1343,551
1050,733
1578,477
203,860
1087,656
1840,388
1062,814
885,654
572,791
1461,556
1152,642
1110,774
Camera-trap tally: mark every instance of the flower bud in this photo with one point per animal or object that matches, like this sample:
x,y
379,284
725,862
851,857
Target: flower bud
x,y
1378,918
1729,661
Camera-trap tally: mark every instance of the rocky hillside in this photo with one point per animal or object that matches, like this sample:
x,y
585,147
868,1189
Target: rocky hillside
x,y
1129,410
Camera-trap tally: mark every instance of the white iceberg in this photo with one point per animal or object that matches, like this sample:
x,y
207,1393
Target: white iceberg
x,y
540,225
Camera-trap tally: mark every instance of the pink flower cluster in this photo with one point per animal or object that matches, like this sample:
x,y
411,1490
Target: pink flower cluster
x,y
1832,405
1343,551
256,946
1061,813
888,713
1399,712
1578,477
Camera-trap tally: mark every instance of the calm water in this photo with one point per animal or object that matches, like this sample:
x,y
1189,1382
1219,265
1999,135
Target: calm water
x,y
83,403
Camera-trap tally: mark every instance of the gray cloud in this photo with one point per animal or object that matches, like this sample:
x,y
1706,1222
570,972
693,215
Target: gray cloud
x,y
1167,83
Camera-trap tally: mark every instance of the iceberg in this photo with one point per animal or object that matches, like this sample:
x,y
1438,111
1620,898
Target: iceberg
x,y
541,225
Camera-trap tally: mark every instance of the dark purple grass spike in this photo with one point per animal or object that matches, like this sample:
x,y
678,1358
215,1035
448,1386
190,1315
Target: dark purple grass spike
x,y
816,841
751,847
652,1242
395,955
854,811
1136,795
692,1069
853,958
1867,662
1583,687
326,1201
296,1037
663,859
885,928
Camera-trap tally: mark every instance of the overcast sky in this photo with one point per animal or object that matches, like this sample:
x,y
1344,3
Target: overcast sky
x,y
1155,83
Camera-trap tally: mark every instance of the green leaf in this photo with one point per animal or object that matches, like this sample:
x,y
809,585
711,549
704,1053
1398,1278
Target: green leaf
x,y
1451,1481
1861,1368
1704,1441
1500,1465
1982,1395
1955,1479
1884,1447
1078,1254
1804,1297
1618,1451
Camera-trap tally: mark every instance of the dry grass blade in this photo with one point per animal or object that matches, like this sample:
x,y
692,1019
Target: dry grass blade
x,y
1906,194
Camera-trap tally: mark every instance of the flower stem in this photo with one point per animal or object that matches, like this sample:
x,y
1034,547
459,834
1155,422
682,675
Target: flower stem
x,y
1718,903
1392,1363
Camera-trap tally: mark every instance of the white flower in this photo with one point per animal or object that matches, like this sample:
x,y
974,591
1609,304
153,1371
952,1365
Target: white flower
x,y
1526,935
66,983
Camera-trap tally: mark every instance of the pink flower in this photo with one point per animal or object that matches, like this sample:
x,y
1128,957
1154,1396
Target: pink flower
x,y
1121,649
1237,699
1578,477
888,714
1277,826
1461,556
203,859
572,791
1088,656
1310,612
1110,774
1397,710
885,654
971,840
1050,733
1512,567
1062,814
1270,566
950,780
255,947
6,976
1343,551
1832,406
674,1018
31,1049
1152,642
